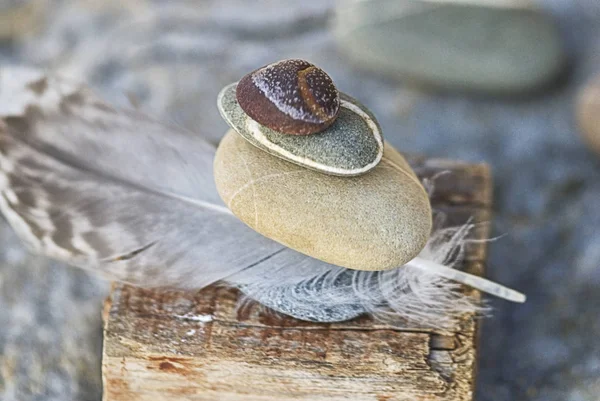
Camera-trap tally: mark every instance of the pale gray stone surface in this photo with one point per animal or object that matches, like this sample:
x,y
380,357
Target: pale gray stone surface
x,y
50,327
547,182
471,45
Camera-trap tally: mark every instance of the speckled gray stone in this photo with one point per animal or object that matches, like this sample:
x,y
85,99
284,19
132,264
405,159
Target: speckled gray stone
x,y
502,46
351,146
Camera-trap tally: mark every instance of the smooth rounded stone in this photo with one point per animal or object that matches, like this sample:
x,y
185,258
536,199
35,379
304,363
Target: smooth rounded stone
x,y
376,221
588,114
351,146
291,96
495,46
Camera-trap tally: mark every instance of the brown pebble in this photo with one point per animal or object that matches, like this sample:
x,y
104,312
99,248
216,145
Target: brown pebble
x,y
290,96
588,114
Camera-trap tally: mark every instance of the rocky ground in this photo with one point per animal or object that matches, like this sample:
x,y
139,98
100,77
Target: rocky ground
x,y
173,57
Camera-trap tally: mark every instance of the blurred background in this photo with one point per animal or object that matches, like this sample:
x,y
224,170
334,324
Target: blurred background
x,y
507,82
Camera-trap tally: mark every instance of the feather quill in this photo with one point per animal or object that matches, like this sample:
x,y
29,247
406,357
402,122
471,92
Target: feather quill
x,y
118,193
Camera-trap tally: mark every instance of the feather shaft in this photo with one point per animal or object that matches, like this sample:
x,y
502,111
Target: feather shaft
x,y
471,280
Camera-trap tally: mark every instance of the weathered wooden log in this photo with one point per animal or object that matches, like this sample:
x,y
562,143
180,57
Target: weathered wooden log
x,y
198,345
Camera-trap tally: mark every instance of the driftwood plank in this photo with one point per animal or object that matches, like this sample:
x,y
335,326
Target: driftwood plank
x,y
198,345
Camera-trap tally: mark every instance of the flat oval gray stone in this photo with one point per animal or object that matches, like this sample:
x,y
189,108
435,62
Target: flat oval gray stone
x,y
501,46
351,146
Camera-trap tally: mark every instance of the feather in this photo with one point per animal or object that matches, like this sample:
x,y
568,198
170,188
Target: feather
x,y
114,191
118,193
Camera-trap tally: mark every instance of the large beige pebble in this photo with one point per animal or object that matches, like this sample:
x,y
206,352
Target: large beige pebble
x,y
588,114
376,221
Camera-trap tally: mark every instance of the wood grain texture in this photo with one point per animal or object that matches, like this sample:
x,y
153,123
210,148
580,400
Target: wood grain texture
x,y
185,345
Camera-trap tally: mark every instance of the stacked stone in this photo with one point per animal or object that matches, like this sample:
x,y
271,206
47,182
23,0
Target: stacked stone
x,y
491,46
306,166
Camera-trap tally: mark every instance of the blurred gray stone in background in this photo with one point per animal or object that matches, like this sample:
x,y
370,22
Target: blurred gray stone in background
x,y
499,47
173,58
